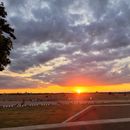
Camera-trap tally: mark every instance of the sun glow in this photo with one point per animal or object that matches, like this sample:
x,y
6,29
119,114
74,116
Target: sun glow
x,y
78,91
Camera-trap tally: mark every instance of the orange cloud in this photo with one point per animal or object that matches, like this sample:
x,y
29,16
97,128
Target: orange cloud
x,y
80,80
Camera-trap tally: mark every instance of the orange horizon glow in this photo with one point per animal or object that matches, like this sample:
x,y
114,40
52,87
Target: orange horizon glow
x,y
61,89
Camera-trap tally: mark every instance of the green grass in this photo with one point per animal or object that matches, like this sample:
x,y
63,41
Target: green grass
x,y
13,117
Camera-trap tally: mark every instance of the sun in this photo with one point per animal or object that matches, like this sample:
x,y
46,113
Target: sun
x,y
78,91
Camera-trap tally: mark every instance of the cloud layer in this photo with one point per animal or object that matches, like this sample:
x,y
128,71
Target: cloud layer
x,y
69,42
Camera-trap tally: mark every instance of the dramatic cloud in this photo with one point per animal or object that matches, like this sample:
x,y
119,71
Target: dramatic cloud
x,y
18,82
69,42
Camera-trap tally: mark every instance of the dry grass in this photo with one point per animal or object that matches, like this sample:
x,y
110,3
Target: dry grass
x,y
11,117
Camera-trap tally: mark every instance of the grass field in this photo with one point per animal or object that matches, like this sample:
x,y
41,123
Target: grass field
x,y
12,117
25,116
63,96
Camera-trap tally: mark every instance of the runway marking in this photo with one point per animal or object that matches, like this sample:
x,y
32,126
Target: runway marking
x,y
77,114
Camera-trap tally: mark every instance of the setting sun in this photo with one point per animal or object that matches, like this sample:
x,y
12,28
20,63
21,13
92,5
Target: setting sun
x,y
78,91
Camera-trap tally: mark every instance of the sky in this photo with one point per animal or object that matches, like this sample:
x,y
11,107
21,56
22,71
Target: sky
x,y
64,45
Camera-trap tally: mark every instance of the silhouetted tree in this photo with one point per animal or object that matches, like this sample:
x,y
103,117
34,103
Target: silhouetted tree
x,y
6,37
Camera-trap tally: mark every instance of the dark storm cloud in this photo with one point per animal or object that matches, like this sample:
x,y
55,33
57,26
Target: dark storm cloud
x,y
98,29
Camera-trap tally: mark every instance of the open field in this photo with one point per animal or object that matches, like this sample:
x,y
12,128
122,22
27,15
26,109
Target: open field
x,y
64,96
40,109
68,98
11,117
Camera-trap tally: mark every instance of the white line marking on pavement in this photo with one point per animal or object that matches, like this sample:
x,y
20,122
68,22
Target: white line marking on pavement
x,y
77,114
